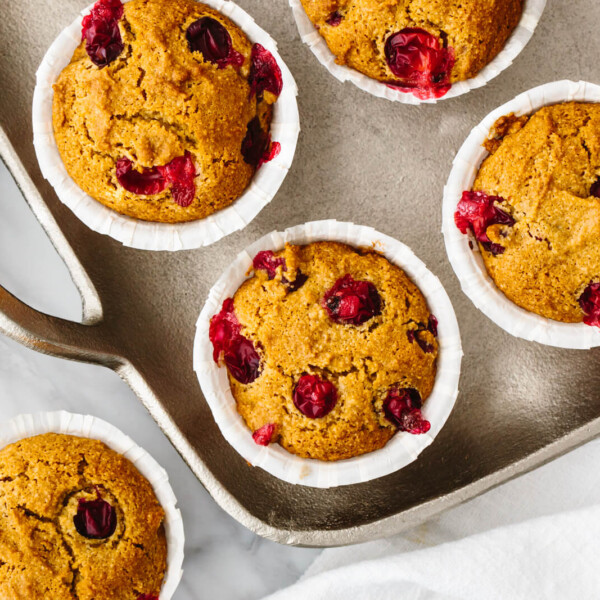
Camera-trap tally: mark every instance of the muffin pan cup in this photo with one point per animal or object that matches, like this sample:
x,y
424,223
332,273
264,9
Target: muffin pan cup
x,y
532,13
24,426
147,235
403,448
468,263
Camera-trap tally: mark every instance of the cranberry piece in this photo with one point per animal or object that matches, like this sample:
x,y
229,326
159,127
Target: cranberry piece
x,y
264,434
402,407
420,62
352,302
257,148
179,174
476,211
414,335
212,40
147,597
100,30
242,359
265,74
314,397
590,304
266,261
95,519
224,326
295,285
595,189
432,325
146,183
334,19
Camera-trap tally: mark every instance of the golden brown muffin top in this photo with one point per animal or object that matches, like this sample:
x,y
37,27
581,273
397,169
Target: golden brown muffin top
x,y
391,347
43,480
544,168
356,31
156,102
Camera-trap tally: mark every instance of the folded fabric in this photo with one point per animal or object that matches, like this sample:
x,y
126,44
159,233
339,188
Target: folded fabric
x,y
537,537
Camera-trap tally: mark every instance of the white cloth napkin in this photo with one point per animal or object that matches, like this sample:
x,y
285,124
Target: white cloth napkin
x,y
537,537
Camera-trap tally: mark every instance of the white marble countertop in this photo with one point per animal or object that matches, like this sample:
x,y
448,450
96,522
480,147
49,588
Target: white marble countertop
x,y
223,560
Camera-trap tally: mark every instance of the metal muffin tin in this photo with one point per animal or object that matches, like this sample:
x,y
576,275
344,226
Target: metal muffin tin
x,y
360,159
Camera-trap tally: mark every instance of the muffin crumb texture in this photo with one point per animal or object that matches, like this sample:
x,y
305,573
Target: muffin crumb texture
x,y
345,349
55,488
544,171
169,119
398,41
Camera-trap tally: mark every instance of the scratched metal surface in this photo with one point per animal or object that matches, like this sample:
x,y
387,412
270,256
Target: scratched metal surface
x,y
360,159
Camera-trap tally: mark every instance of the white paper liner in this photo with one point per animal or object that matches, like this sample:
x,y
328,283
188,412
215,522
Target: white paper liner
x,y
468,264
532,12
403,448
28,425
145,235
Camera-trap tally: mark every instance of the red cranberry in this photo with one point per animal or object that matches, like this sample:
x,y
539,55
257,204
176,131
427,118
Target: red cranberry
x,y
224,326
100,30
179,174
264,434
432,325
477,211
420,62
265,74
257,148
590,304
147,597
242,359
266,261
212,40
95,519
295,285
352,302
314,397
334,19
402,407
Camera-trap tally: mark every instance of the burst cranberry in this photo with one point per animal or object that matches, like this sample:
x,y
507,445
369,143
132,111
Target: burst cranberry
x,y
295,285
314,397
95,519
242,359
590,304
264,434
236,351
432,325
420,62
224,326
212,40
147,597
402,407
352,302
415,335
265,74
100,30
595,189
334,19
267,261
477,211
257,148
179,174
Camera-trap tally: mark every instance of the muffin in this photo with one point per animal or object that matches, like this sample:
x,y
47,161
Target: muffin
x,y
163,113
535,211
417,46
330,350
79,521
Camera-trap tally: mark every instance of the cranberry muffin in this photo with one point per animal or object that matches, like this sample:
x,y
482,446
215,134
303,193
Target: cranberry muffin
x,y
330,350
163,113
418,46
78,521
535,211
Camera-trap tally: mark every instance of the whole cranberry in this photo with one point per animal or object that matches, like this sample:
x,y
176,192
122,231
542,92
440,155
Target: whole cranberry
x,y
314,397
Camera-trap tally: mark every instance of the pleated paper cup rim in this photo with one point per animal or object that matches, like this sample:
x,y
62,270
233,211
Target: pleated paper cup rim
x,y
519,38
403,448
146,235
88,426
468,263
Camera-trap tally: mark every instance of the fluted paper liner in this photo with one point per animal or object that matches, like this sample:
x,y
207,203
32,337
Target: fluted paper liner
x,y
28,425
403,448
532,12
146,235
468,264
